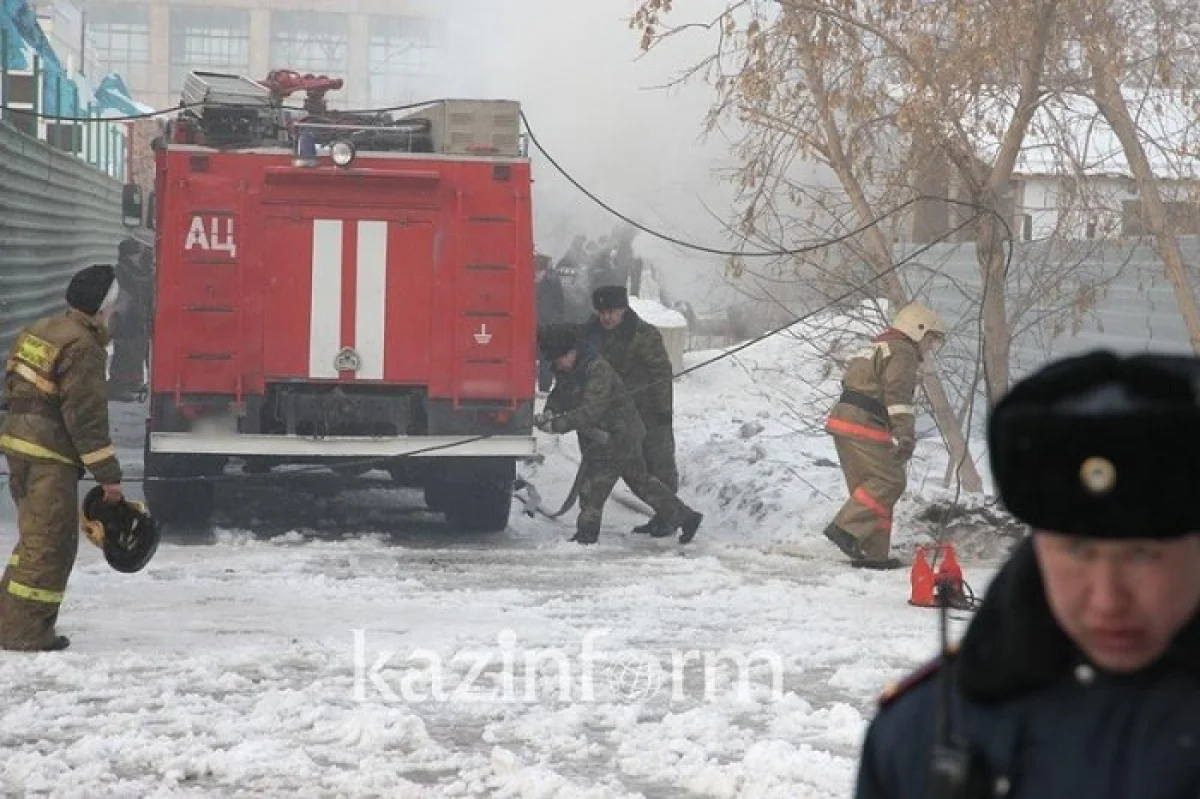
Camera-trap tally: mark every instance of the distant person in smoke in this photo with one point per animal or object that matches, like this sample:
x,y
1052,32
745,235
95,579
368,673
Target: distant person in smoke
x,y
551,309
874,429
131,321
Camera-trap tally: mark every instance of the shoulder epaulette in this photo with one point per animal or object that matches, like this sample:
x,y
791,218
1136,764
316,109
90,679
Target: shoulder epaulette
x,y
898,689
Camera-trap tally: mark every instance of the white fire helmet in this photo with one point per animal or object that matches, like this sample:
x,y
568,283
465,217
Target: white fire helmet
x,y
916,320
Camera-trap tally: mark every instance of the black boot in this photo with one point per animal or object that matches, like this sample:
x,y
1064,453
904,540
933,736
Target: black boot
x,y
849,545
659,528
887,564
586,537
644,529
690,525
56,643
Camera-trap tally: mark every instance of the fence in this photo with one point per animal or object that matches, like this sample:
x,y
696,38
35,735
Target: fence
x,y
1063,297
57,215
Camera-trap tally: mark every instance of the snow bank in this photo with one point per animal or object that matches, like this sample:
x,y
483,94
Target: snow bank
x,y
657,314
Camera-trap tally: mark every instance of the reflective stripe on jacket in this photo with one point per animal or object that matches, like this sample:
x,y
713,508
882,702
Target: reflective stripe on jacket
x,y
57,393
878,390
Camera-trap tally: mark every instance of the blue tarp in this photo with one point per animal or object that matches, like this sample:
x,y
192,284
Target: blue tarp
x,y
13,45
21,16
114,94
60,94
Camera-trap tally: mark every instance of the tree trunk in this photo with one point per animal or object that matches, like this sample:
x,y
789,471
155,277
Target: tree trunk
x,y
997,337
989,247
881,256
1112,105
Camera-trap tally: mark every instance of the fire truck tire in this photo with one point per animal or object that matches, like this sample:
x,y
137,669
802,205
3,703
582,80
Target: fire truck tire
x,y
437,497
181,503
481,507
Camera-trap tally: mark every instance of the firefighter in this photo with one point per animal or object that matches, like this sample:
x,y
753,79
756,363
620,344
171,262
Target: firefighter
x,y
635,348
590,398
130,324
1080,673
874,429
56,428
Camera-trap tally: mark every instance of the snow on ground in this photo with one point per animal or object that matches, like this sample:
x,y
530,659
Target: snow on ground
x,y
656,314
356,646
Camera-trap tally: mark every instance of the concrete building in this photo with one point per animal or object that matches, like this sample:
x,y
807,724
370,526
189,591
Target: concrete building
x,y
386,50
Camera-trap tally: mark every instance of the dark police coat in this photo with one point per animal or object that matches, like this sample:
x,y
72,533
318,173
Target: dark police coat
x,y
1041,721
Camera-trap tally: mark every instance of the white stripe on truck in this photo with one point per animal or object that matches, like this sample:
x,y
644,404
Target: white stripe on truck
x,y
370,316
325,319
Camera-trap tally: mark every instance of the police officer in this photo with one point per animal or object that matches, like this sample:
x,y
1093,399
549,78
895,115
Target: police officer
x,y
589,397
636,350
1080,673
56,428
873,426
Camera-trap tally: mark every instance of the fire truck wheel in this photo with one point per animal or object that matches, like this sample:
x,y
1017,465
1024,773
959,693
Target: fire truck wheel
x,y
480,507
437,496
181,503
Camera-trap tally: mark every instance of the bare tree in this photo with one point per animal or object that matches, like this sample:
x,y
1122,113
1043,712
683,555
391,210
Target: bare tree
x,y
1131,45
852,89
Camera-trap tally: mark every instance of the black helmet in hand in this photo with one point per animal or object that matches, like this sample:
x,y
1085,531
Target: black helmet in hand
x,y
125,531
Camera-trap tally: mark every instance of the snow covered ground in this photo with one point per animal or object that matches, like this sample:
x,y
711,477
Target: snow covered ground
x,y
358,647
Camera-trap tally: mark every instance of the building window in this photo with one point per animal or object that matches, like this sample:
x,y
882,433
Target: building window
x,y
400,60
310,41
119,36
208,40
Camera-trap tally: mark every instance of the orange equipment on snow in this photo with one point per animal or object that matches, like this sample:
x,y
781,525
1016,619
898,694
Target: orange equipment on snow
x,y
925,580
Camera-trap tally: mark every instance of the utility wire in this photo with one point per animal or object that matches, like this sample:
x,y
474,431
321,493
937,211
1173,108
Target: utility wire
x,y
980,211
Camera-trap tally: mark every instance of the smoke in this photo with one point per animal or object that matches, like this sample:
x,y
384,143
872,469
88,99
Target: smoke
x,y
589,94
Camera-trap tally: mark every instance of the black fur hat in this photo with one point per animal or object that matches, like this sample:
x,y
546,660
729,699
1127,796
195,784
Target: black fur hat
x,y
89,287
607,298
556,340
1103,446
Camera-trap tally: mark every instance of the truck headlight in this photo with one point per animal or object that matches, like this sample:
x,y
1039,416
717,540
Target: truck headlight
x,y
342,152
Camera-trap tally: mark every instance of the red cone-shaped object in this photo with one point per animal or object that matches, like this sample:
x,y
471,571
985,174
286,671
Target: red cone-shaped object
x,y
949,571
921,580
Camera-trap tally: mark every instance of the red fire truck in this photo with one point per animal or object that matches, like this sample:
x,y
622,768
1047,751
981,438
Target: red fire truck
x,y
342,290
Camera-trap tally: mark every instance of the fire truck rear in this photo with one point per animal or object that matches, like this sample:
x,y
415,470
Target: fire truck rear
x,y
344,290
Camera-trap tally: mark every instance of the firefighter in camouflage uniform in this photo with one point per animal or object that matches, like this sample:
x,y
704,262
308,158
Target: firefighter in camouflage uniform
x,y
874,429
590,398
635,349
55,431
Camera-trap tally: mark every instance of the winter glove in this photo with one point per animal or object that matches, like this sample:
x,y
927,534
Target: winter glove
x,y
597,436
904,449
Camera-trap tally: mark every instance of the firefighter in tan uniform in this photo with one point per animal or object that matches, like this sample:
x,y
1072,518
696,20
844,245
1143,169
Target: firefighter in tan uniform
x,y
874,429
57,427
